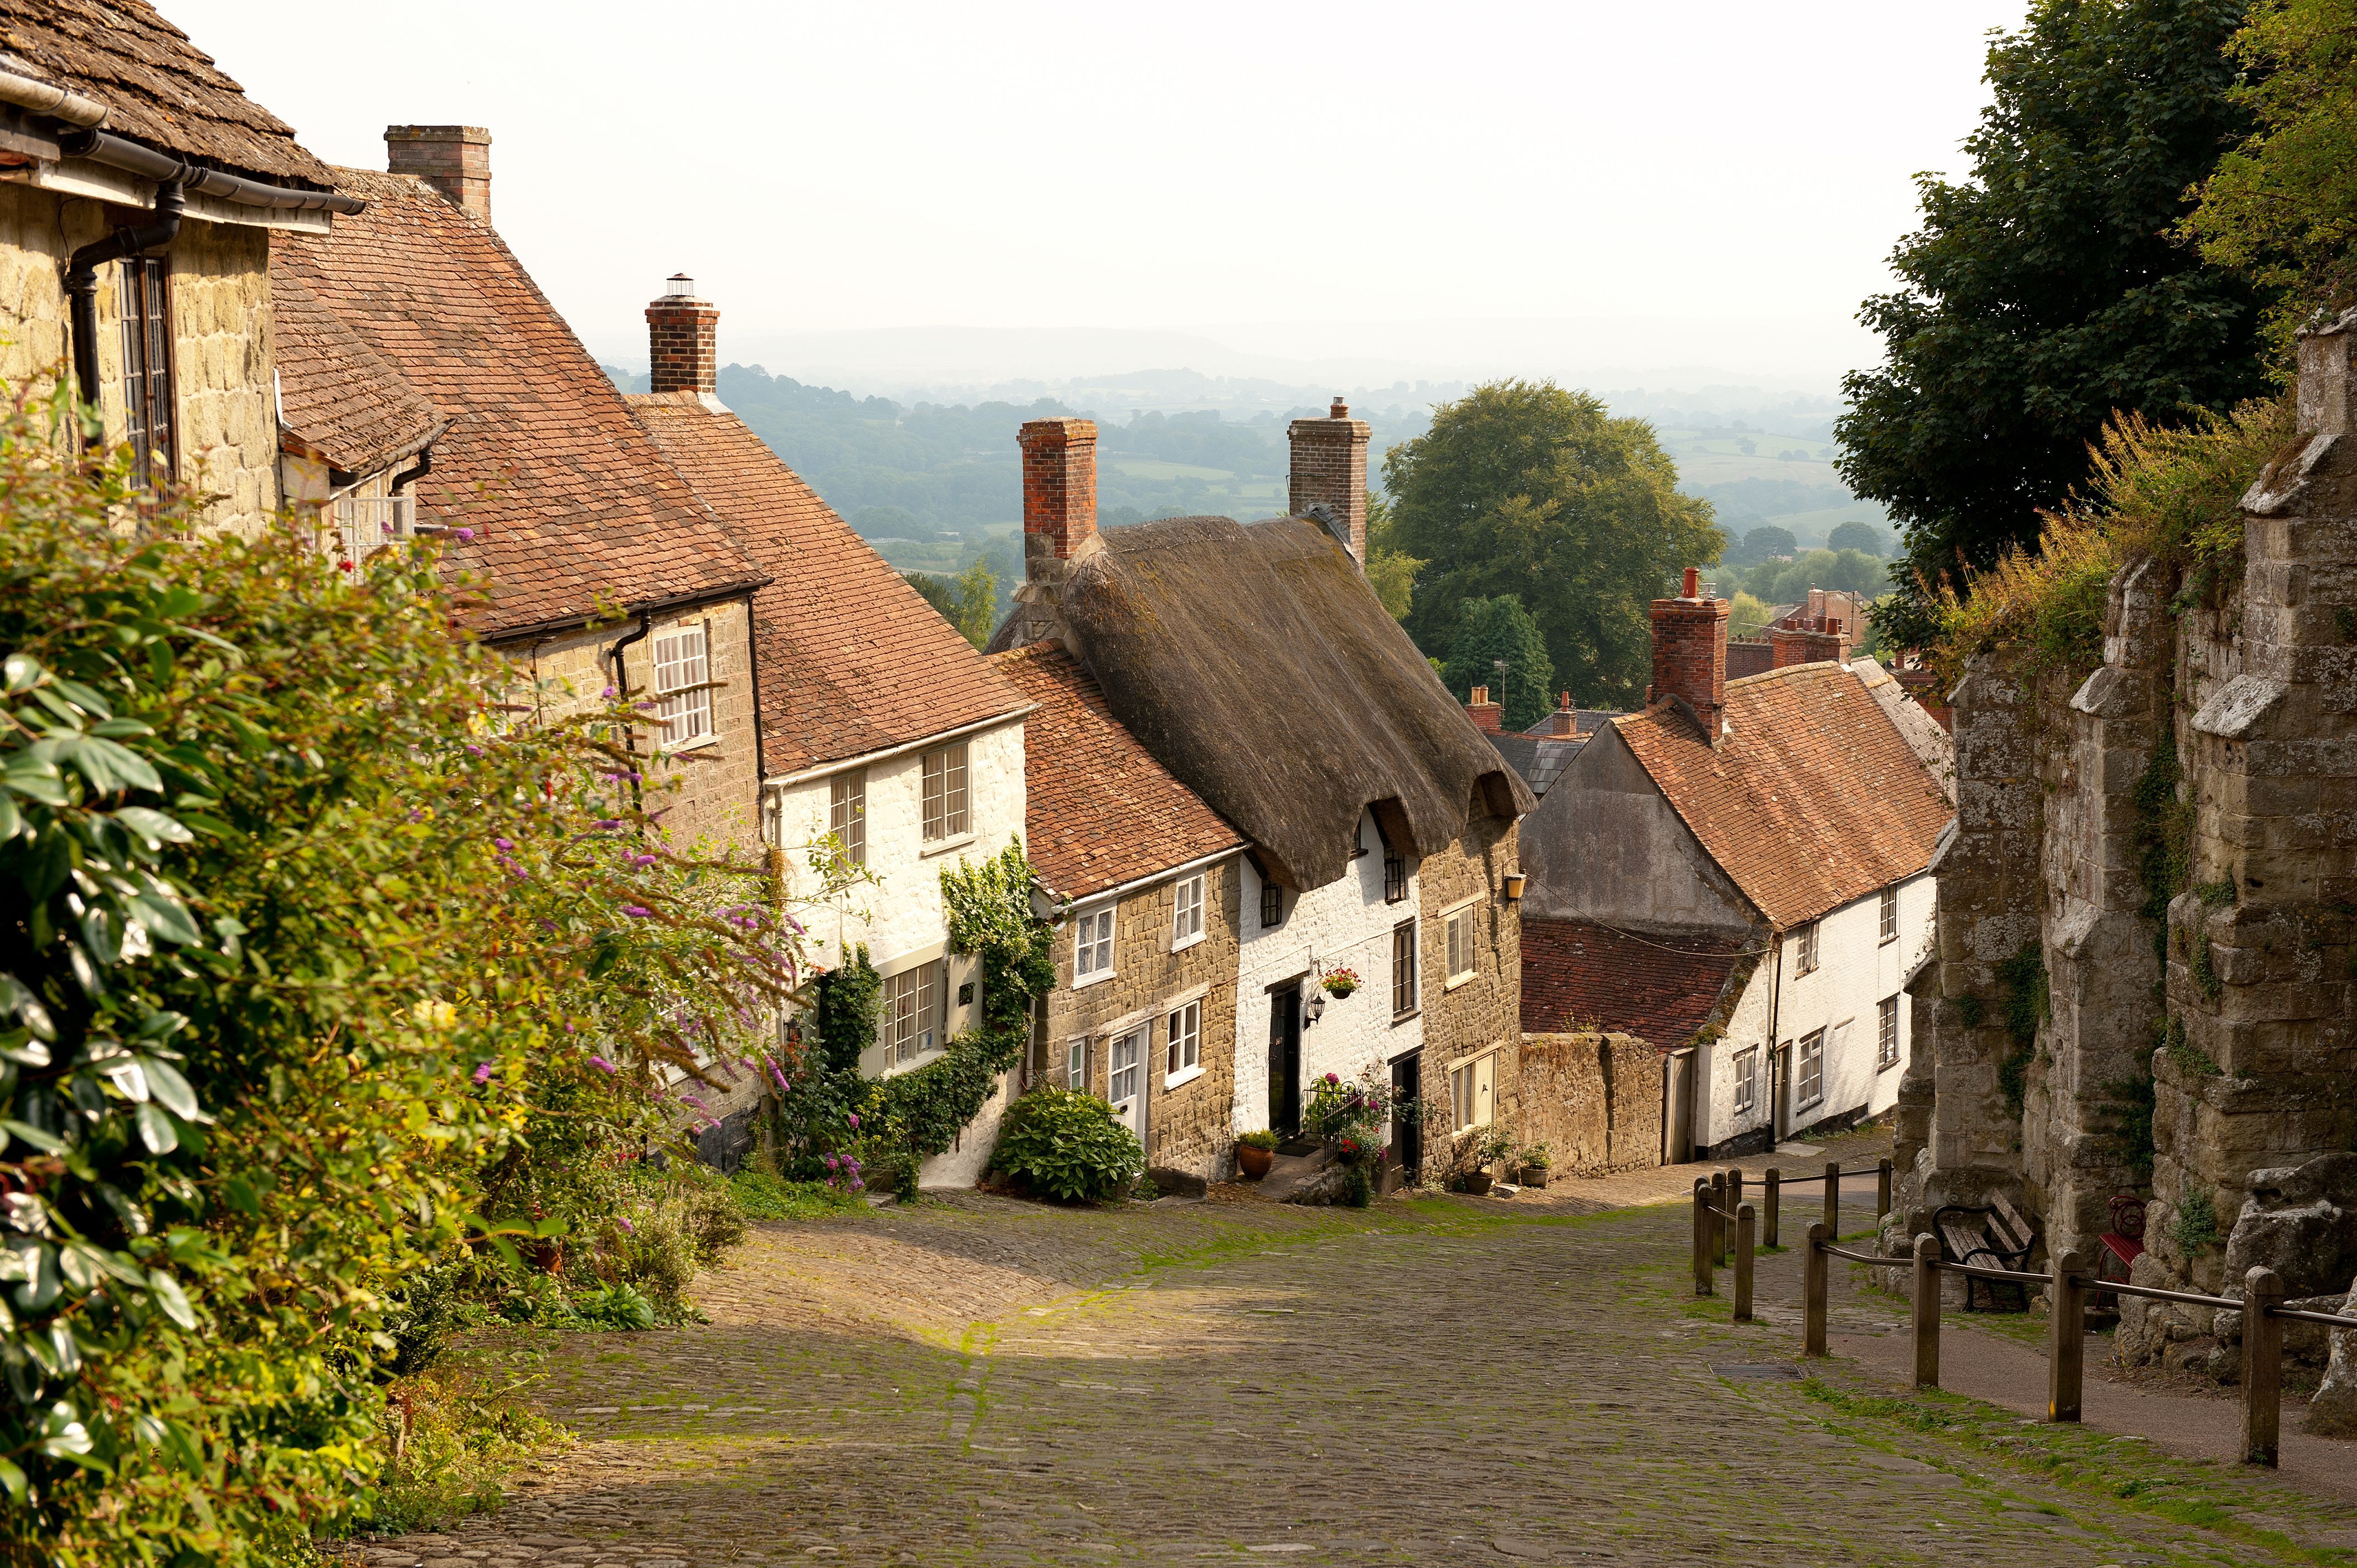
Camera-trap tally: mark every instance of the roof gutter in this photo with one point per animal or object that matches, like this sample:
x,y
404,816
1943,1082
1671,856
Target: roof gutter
x,y
590,620
81,280
131,157
48,98
843,765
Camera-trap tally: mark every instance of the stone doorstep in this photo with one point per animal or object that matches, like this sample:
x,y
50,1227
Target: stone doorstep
x,y
1291,1174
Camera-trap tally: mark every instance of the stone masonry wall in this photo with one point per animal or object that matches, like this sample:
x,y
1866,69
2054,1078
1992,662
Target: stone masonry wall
x,y
1595,1099
2210,760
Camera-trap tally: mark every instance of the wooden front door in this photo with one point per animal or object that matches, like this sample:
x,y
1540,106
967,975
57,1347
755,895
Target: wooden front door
x,y
1284,1061
1407,1125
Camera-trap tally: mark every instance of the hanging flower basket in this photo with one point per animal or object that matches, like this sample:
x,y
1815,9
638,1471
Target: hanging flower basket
x,y
1338,982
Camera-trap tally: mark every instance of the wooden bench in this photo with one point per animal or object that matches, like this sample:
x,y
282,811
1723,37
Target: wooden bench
x,y
1994,1236
2122,1245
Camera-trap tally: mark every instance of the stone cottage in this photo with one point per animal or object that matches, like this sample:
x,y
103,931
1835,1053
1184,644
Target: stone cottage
x,y
139,188
1741,874
885,738
1143,1012
1254,662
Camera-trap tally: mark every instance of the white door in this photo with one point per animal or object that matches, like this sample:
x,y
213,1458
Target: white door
x,y
1125,1081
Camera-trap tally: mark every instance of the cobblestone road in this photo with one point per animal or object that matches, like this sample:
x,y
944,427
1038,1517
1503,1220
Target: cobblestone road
x,y
1436,1381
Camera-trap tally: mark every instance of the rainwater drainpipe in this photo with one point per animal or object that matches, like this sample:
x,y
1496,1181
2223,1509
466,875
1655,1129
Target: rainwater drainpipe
x,y
1777,1067
81,280
621,691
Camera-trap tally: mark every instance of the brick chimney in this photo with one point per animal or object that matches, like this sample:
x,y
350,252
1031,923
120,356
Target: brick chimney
x,y
1564,721
1806,640
1329,469
1689,652
683,340
454,159
1486,716
1059,492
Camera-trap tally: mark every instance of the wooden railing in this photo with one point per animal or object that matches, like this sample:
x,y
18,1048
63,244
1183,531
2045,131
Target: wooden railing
x,y
1718,1222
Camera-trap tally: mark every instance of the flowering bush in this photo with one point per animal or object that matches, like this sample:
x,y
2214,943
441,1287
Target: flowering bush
x,y
1353,1117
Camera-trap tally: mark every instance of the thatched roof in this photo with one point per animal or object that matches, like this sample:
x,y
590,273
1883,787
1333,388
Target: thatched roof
x,y
1255,664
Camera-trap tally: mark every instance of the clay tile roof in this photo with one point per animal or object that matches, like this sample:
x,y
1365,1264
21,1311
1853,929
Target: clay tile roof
x,y
158,88
1812,800
1101,812
572,508
852,659
1662,989
338,396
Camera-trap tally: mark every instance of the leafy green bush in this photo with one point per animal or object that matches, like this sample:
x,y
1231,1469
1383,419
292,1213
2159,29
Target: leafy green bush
x,y
1067,1145
452,1443
1263,1139
764,1196
614,1306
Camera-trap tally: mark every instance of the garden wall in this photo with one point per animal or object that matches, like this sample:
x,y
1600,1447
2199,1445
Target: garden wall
x,y
1595,1099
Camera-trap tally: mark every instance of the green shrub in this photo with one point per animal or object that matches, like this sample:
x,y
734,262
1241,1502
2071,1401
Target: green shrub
x,y
1067,1145
2195,1227
451,1443
764,1196
1263,1139
614,1306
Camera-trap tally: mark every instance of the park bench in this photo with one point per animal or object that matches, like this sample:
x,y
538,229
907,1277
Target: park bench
x,y
2121,1245
1990,1236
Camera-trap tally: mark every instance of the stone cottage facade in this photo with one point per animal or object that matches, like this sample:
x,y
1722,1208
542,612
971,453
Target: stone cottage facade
x,y
1254,662
136,176
1743,870
1144,1010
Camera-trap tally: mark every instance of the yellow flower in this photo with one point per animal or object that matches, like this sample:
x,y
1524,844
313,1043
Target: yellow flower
x,y
434,1014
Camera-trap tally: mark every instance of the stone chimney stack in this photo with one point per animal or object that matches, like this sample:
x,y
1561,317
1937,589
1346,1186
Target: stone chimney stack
x,y
1809,641
1329,469
1689,652
454,159
683,340
1486,716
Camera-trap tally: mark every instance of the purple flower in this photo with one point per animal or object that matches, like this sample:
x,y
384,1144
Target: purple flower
x,y
642,860
467,534
854,1119
627,1229
482,1072
606,692
504,843
856,1184
635,911
783,1087
832,1162
601,1064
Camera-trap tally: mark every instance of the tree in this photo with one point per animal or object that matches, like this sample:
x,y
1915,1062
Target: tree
x,y
1862,537
2047,291
1491,632
1523,489
1849,570
936,593
1390,572
2282,207
1765,545
975,614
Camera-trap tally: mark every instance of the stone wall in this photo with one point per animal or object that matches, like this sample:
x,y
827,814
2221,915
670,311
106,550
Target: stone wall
x,y
2172,842
1595,1099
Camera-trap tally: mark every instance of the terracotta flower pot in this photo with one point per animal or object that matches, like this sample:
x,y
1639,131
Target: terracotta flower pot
x,y
1477,1182
1254,1161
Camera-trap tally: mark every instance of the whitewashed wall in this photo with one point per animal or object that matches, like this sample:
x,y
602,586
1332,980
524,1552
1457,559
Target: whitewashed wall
x,y
900,915
1344,923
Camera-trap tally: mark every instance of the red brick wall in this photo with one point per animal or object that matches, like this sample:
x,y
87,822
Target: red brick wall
x,y
682,346
454,159
1690,654
1330,465
1059,484
1807,645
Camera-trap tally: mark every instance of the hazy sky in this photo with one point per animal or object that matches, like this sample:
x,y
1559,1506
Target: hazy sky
x,y
1294,179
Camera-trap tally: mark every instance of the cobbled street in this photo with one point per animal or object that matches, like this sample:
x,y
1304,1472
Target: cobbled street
x,y
1430,1381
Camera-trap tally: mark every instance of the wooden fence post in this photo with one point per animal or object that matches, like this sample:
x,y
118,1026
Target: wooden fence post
x,y
1734,1189
2262,1366
1813,1291
1882,1188
1701,1236
1768,1218
1743,1221
1832,1200
1718,1212
2066,1354
1927,1312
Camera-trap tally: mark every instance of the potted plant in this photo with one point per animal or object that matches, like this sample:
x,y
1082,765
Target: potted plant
x,y
1534,1162
1256,1152
1340,982
1475,1181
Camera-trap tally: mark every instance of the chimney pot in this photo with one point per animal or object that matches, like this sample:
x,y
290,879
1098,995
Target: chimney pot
x,y
1339,411
683,340
1330,467
1486,716
1693,583
454,159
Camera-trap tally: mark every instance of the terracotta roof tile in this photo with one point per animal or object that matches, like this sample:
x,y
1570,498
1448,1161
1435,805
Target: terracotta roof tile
x,y
1812,800
1102,810
337,395
158,88
572,506
1662,989
852,658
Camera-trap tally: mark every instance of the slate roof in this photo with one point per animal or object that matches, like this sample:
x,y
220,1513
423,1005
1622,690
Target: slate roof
x,y
159,87
1255,661
1584,721
340,399
1539,759
1100,810
572,507
1662,989
1815,797
852,659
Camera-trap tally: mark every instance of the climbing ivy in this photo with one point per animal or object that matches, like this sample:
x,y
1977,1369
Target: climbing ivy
x,y
2027,1005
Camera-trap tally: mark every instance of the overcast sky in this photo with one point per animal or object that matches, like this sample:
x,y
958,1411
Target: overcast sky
x,y
1707,183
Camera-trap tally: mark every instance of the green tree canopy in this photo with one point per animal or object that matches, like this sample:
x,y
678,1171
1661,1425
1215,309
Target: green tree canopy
x,y
1862,537
2282,207
1491,632
1764,544
2047,290
1522,488
1788,582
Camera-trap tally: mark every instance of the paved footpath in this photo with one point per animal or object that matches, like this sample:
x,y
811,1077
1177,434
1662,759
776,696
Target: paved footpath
x,y
1431,1381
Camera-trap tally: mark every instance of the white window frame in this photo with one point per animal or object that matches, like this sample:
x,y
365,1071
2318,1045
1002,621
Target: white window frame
x,y
1182,1051
1076,1065
1889,913
1804,950
1747,1082
846,813
945,794
1886,1043
1461,943
1411,981
1472,1092
1187,912
914,1014
683,686
1808,1081
1092,954
1143,1034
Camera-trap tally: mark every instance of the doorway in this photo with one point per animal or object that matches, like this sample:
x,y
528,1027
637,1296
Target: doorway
x,y
1782,1122
1285,1060
1126,1082
1407,1120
